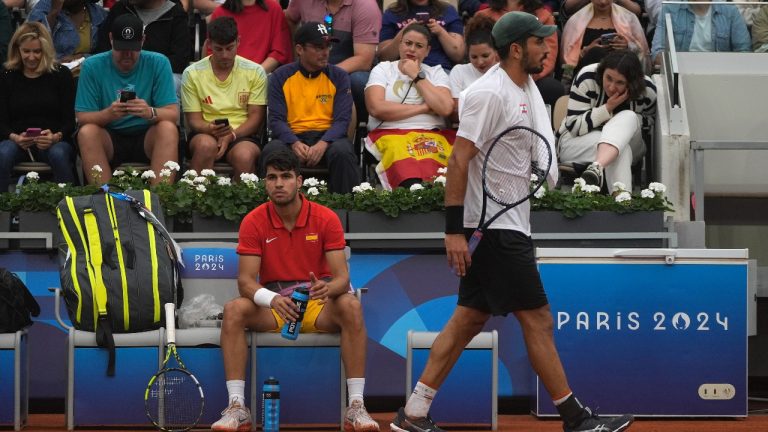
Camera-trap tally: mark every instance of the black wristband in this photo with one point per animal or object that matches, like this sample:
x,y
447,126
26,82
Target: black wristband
x,y
454,219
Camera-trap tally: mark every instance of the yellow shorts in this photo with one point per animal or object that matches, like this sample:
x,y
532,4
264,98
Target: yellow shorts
x,y
314,307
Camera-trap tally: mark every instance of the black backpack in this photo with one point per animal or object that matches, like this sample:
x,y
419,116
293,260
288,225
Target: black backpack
x,y
16,303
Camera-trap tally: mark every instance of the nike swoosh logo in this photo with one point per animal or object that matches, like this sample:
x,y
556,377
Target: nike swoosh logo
x,y
271,239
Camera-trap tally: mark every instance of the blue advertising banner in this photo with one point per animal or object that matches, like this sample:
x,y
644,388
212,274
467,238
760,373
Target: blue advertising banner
x,y
650,338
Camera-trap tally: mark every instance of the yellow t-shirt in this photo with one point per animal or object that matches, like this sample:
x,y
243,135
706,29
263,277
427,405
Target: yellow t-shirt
x,y
202,92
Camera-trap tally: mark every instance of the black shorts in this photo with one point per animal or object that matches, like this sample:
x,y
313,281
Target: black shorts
x,y
503,276
256,139
127,148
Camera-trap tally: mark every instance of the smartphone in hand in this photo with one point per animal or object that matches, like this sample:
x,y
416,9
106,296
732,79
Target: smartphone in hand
x,y
422,17
33,132
607,38
126,95
221,121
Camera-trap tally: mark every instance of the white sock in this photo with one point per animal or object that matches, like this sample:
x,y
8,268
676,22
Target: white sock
x,y
420,401
355,387
562,399
236,391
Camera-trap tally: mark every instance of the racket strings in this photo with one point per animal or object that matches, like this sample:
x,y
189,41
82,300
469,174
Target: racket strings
x,y
174,401
508,165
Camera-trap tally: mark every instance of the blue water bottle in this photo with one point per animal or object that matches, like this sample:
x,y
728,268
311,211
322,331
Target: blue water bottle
x,y
270,405
300,297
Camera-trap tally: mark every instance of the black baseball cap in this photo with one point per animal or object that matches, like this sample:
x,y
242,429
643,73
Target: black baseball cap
x,y
313,32
127,33
514,26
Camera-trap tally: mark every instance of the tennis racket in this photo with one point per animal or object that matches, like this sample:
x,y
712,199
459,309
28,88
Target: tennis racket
x,y
513,155
173,399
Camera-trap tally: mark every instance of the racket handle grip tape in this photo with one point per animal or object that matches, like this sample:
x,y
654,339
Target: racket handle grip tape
x,y
170,323
474,240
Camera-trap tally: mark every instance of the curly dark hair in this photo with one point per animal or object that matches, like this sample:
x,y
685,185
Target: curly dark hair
x,y
478,31
626,63
403,7
528,5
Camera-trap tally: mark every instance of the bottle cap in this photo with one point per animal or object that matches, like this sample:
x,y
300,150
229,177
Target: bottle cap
x,y
271,380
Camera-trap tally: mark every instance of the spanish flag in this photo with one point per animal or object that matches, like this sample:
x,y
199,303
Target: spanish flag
x,y
409,153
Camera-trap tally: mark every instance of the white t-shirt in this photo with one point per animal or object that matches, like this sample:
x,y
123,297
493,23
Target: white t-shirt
x,y
462,76
701,41
387,75
490,105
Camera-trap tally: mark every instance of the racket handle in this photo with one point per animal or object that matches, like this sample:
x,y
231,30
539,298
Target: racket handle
x,y
474,240
170,323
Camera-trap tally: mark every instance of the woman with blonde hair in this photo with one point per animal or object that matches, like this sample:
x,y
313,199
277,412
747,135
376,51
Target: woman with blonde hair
x,y
37,106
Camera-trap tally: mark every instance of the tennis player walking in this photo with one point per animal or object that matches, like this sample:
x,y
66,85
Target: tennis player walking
x,y
500,277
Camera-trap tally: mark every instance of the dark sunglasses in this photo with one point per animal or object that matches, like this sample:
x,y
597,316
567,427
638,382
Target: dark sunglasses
x,y
328,21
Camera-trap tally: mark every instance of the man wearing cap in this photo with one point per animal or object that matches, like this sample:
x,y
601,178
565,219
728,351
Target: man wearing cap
x,y
126,104
224,97
501,276
310,106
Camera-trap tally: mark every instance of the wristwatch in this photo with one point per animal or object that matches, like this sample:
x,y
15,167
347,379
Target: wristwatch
x,y
419,76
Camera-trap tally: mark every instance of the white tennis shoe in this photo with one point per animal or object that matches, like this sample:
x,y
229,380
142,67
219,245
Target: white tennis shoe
x,y
234,418
357,419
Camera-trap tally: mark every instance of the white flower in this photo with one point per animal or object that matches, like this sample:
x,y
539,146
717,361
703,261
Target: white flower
x,y
619,186
442,170
311,182
248,177
364,186
200,180
171,165
134,172
32,175
224,181
440,179
416,187
187,181
207,172
313,191
591,189
623,196
62,185
190,173
96,168
117,173
322,183
579,181
647,193
540,192
201,188
148,174
534,178
657,187
165,172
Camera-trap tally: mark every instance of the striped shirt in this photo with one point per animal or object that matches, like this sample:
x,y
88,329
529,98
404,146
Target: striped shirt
x,y
586,103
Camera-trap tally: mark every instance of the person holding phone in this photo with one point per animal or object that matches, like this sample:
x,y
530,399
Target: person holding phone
x,y
227,126
37,96
126,105
605,110
445,27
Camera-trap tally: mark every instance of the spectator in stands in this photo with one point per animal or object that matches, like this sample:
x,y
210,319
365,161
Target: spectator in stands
x,y
408,101
356,23
482,56
443,22
25,5
224,86
74,25
600,27
310,107
166,31
264,34
570,7
549,87
289,225
5,30
36,92
760,30
712,27
139,130
605,110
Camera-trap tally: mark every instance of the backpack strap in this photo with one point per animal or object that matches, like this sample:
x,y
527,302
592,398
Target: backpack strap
x,y
103,328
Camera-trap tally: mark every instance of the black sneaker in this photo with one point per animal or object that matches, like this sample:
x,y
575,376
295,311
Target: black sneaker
x,y
593,423
402,423
593,175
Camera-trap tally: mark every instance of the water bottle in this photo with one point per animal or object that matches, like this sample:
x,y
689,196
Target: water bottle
x,y
270,405
300,297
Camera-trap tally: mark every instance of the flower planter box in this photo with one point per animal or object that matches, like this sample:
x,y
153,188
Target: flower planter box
x,y
205,224
366,222
5,226
551,222
38,222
